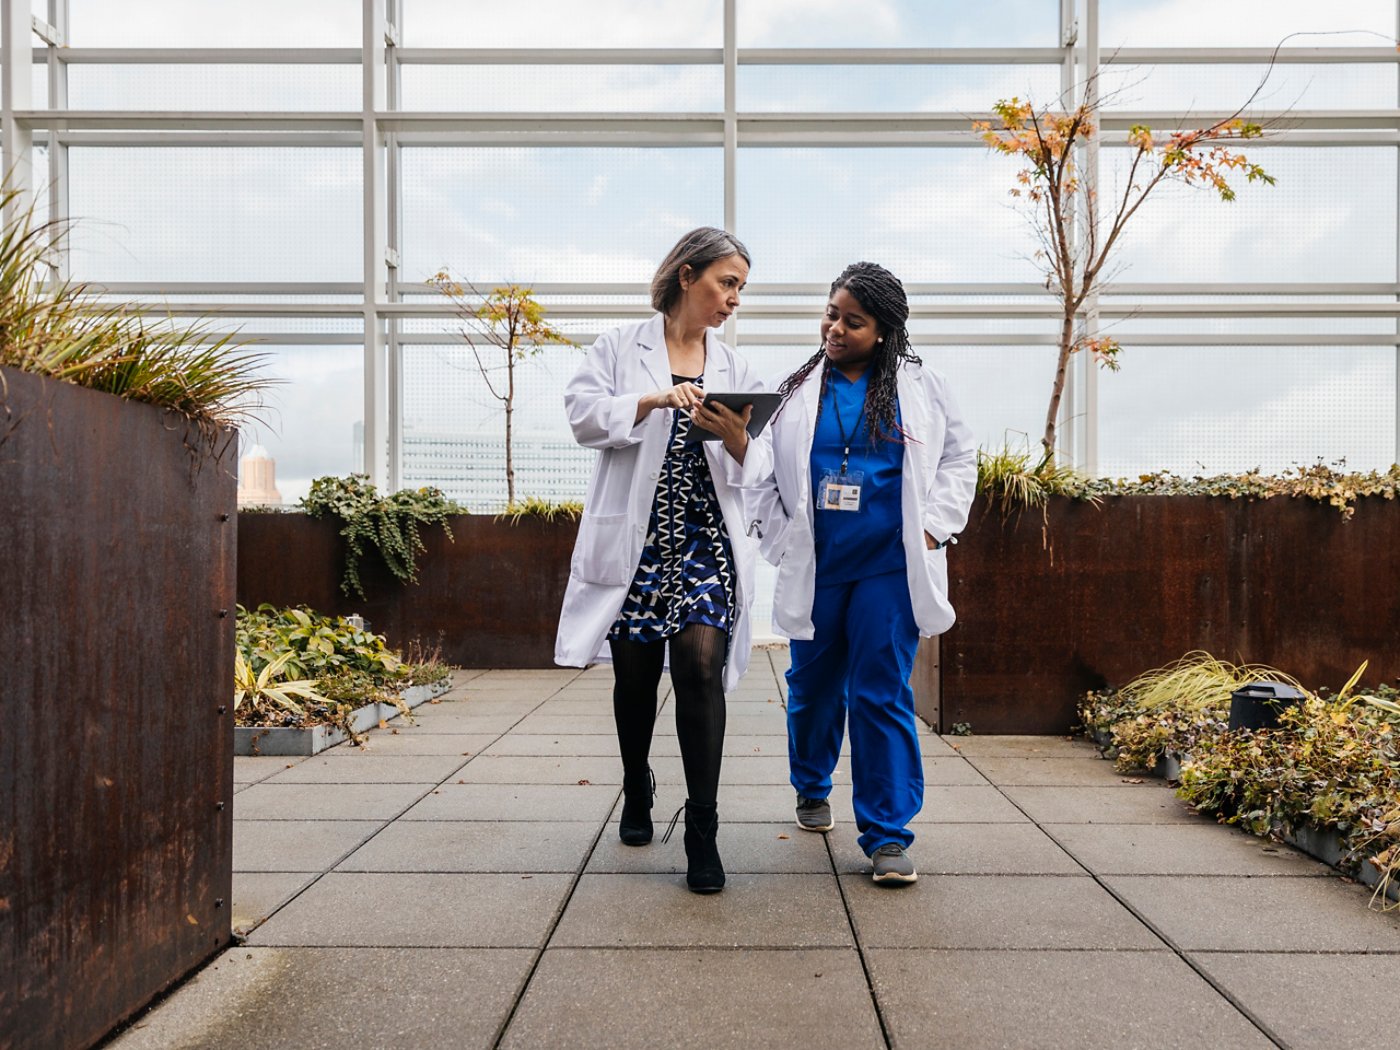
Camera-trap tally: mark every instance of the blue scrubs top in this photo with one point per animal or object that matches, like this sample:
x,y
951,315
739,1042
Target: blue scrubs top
x,y
852,545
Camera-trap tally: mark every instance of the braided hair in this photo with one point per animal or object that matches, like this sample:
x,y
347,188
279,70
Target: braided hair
x,y
881,295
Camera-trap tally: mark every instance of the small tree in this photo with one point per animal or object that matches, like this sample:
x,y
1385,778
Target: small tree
x,y
510,319
1056,196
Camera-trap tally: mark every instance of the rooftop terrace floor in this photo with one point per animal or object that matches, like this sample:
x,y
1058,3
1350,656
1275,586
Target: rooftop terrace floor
x,y
459,882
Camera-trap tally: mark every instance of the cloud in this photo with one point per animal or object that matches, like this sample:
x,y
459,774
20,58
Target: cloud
x,y
1245,23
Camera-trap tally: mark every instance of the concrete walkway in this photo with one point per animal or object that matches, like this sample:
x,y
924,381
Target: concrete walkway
x,y
459,883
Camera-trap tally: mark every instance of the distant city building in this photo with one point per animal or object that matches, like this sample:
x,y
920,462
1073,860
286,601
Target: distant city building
x,y
471,468
257,479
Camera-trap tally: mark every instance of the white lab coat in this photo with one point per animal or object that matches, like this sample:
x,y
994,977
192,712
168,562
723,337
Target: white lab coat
x,y
601,402
938,482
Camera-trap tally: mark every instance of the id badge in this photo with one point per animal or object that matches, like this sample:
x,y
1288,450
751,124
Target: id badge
x,y
841,491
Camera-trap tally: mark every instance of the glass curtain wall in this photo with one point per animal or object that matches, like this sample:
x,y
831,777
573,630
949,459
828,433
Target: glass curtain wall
x,y
301,171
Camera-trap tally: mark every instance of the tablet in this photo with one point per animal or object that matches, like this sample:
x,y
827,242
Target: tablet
x,y
764,405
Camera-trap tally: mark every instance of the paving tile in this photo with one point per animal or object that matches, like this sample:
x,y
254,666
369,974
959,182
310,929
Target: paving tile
x,y
296,845
1151,802
1023,747
355,768
461,721
1052,1000
933,745
646,999
1283,992
280,801
296,998
529,744
250,769
599,744
521,846
744,848
738,803
479,705
951,770
468,910
550,769
769,721
652,911
1053,772
967,804
384,742
1181,849
257,894
1203,913
575,706
560,676
569,725
966,849
545,802
1006,911
738,746
736,769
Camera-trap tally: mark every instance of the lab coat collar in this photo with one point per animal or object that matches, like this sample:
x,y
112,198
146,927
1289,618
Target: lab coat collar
x,y
652,341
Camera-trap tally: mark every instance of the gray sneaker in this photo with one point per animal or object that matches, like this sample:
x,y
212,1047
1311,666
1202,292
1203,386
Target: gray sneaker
x,y
892,864
814,814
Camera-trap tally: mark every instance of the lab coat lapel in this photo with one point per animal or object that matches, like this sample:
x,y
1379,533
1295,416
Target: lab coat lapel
x,y
717,374
652,342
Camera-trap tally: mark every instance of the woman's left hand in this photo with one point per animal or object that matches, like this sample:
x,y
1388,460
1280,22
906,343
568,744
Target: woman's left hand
x,y
731,426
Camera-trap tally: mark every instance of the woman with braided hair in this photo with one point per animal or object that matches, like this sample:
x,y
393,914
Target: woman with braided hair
x,y
873,475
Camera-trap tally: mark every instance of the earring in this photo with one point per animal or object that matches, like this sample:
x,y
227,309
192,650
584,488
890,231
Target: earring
x,y
880,340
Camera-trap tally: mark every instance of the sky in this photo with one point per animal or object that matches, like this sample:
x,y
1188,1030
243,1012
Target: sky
x,y
608,214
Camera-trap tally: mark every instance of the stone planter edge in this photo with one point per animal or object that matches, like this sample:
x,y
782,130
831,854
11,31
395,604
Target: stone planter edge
x,y
311,740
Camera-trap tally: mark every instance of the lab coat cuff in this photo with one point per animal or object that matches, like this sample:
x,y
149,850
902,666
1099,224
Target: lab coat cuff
x,y
624,428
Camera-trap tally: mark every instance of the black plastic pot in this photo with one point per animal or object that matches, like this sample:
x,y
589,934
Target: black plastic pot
x,y
1258,705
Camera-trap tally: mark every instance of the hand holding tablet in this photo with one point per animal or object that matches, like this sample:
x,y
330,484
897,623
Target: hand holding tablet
x,y
764,405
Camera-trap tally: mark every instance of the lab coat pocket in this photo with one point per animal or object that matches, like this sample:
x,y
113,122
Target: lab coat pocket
x,y
602,553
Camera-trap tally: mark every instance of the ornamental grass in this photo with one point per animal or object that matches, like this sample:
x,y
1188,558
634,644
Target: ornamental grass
x,y
65,330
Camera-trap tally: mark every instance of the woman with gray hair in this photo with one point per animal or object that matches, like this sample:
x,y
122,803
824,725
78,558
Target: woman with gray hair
x,y
661,560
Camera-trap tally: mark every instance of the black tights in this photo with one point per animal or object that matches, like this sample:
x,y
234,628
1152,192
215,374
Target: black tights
x,y
697,675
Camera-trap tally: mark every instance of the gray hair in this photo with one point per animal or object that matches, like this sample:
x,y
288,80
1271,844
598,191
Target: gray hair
x,y
697,249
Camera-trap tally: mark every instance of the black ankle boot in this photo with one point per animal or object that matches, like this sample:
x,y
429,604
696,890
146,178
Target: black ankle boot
x,y
634,826
704,870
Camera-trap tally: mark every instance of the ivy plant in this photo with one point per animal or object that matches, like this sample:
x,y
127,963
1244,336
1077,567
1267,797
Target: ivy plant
x,y
388,523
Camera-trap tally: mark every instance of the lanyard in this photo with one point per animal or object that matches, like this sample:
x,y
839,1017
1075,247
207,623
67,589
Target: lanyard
x,y
845,441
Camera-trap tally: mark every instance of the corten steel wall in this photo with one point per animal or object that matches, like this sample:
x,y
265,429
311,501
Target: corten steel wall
x,y
490,596
116,764
1142,580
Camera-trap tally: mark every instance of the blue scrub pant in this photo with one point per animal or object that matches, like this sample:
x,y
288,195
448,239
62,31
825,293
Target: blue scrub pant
x,y
857,666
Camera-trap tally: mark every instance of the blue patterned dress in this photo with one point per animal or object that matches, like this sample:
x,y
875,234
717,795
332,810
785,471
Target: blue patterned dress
x,y
686,574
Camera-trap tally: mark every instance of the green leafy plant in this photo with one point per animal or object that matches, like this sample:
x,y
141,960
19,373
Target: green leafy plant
x,y
389,523
509,318
63,330
1320,482
266,688
296,667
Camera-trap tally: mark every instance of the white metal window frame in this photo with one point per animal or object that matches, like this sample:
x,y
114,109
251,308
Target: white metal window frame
x,y
380,129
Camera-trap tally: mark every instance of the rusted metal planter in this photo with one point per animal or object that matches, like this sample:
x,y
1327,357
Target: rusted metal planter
x,y
490,597
1096,595
117,549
